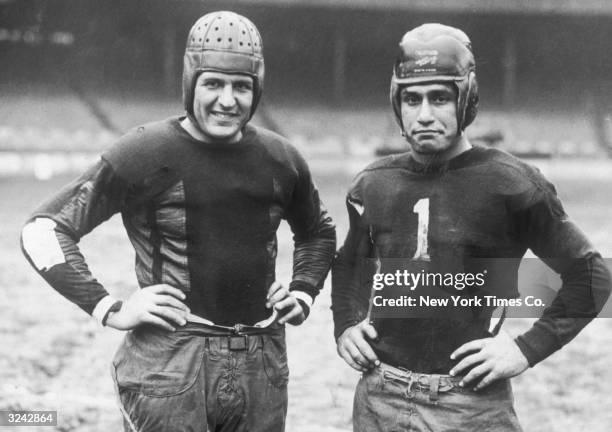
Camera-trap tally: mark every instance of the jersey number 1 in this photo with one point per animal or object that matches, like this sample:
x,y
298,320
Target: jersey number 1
x,y
421,208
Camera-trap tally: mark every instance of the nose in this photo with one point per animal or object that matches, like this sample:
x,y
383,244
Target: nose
x,y
425,113
226,97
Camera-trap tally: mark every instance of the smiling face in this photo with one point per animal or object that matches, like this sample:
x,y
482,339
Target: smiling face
x,y
429,118
222,105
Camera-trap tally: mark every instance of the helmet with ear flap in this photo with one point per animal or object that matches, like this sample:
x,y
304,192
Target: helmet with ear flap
x,y
226,42
467,114
437,53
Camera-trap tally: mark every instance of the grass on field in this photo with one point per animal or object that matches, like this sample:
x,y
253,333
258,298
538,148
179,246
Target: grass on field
x,y
54,357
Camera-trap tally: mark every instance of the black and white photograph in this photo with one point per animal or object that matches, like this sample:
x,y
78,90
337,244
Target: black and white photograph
x,y
305,215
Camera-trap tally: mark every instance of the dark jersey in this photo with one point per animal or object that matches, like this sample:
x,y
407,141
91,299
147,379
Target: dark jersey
x,y
201,217
483,204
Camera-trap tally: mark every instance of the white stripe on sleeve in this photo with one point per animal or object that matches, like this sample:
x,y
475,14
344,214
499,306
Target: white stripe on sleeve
x,y
41,244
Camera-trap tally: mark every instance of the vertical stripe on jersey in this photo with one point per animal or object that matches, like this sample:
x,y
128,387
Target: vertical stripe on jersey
x,y
154,239
171,222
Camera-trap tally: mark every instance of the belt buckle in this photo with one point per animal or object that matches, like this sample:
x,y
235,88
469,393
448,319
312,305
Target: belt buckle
x,y
237,343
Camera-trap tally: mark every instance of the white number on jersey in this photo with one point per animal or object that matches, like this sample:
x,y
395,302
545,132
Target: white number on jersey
x,y
422,209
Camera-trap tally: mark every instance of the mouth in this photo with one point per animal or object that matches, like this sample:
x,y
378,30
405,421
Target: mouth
x,y
424,132
224,115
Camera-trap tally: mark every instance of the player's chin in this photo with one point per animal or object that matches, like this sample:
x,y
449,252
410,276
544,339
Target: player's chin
x,y
425,147
225,131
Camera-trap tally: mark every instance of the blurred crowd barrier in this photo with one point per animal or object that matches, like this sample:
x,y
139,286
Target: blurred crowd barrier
x,y
45,151
47,154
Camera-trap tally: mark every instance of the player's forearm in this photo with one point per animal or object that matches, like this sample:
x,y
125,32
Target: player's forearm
x,y
50,236
311,263
586,287
314,233
314,250
349,305
57,258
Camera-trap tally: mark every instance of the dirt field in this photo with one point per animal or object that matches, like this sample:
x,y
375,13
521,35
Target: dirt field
x,y
54,357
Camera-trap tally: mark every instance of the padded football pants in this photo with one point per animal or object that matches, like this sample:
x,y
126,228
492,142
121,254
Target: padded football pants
x,y
190,381
389,399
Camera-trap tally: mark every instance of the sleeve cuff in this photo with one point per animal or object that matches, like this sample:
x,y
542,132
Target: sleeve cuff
x,y
305,287
306,298
341,327
536,344
102,308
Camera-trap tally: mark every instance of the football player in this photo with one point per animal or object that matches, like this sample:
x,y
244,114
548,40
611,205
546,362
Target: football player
x,y
441,207
201,196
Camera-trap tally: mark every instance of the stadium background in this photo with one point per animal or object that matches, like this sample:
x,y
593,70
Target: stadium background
x,y
75,74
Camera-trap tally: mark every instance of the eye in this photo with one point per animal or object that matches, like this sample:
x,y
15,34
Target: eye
x,y
212,84
441,98
410,99
243,86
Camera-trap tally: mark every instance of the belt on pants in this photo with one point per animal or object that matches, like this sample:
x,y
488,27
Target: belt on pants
x,y
235,338
432,383
234,343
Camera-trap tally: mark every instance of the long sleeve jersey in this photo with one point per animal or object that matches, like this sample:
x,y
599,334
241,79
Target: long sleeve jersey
x,y
482,204
201,217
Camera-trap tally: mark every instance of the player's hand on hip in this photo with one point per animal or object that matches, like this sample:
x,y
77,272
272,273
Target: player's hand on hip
x,y
355,349
286,304
487,360
159,305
